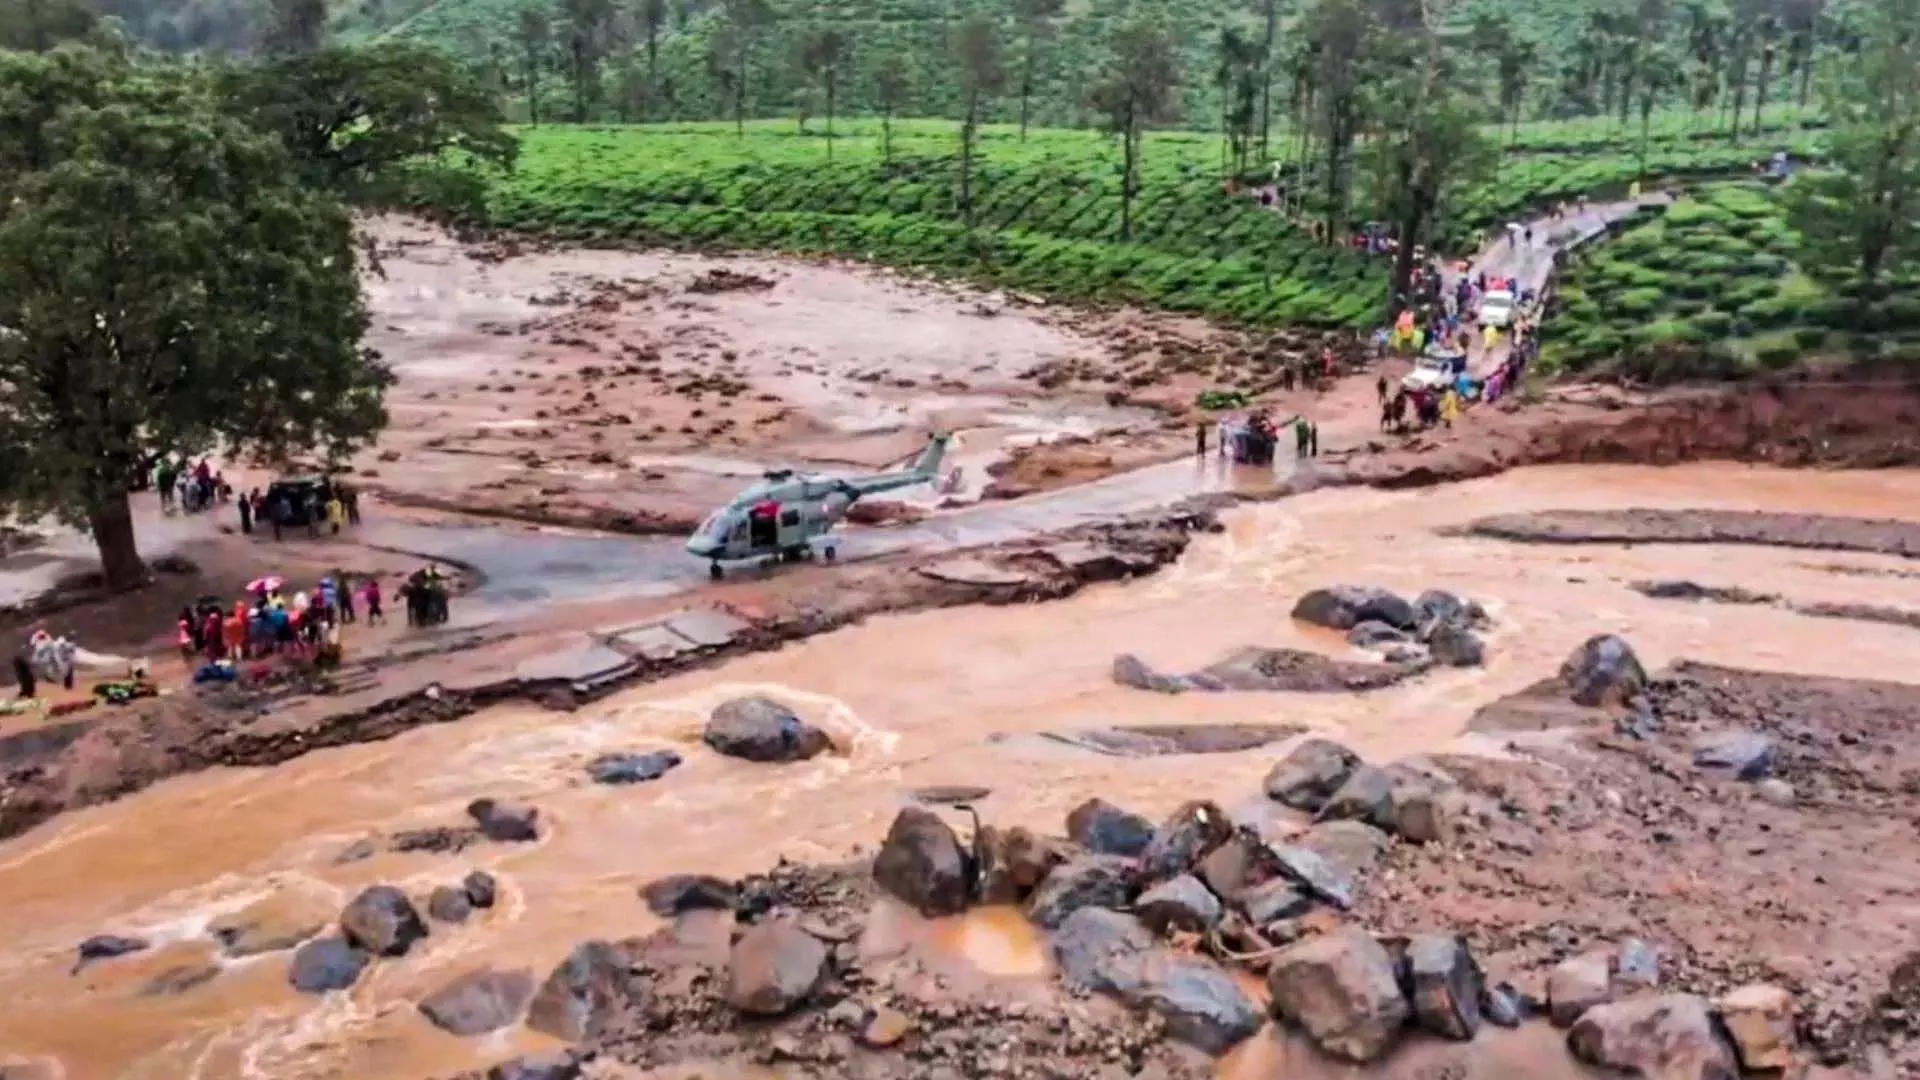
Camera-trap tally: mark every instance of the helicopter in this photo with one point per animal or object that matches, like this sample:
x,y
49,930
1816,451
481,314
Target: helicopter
x,y
786,512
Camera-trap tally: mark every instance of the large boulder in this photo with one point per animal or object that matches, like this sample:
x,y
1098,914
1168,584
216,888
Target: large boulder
x,y
1185,838
326,964
774,967
1670,1036
1340,989
449,904
1579,983
1100,949
382,921
1446,985
1082,881
1456,646
761,729
679,893
1202,1004
1343,607
1603,670
480,888
1438,607
922,864
1324,880
1310,773
1182,903
1759,1018
505,822
1362,798
1353,847
1372,635
1105,829
575,1000
479,1001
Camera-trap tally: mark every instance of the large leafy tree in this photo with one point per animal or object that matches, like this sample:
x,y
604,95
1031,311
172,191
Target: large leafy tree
x,y
39,25
362,122
167,283
1136,93
1860,219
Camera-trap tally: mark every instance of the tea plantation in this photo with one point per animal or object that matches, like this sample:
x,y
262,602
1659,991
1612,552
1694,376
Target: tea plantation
x,y
1709,286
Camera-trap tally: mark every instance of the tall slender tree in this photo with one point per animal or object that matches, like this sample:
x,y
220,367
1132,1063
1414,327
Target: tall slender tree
x,y
745,20
1661,73
1136,92
653,20
892,81
1238,78
983,75
1036,25
534,35
822,58
1341,31
589,40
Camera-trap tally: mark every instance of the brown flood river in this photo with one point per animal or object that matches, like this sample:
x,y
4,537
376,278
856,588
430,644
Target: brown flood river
x,y
913,699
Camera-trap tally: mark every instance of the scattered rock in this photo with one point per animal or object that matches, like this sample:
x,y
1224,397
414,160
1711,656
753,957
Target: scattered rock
x,y
480,888
1503,1006
574,1001
1340,989
1759,1018
1742,754
1776,791
449,904
1323,879
632,768
1438,607
1202,1004
1424,813
1310,773
1014,863
1577,984
1230,868
1185,838
922,864
1636,967
678,893
176,980
1362,798
1082,881
1274,900
761,729
1343,607
479,1001
886,1027
1670,1036
1446,985
774,967
1182,903
438,840
326,964
1603,669
106,947
1351,846
1129,670
505,822
1105,829
382,921
1099,949
555,1065
1372,634
271,924
1456,646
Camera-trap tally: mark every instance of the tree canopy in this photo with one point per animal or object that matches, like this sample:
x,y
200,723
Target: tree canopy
x,y
167,284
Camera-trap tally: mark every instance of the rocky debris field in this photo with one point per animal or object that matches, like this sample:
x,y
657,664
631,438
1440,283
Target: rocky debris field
x,y
1726,594
1660,880
1812,531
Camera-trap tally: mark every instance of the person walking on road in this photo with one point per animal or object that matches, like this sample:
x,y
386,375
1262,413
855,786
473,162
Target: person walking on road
x,y
1200,439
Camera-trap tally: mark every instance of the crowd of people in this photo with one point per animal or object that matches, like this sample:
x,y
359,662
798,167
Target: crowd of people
x,y
189,489
302,625
329,502
1444,320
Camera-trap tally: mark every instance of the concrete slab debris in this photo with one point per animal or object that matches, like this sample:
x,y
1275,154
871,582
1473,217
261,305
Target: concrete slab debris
x,y
972,572
708,628
584,661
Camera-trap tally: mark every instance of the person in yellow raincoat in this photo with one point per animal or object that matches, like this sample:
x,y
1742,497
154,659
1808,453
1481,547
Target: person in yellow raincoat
x,y
1450,407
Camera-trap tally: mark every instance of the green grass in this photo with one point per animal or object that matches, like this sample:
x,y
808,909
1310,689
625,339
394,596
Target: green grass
x,y
1047,218
1710,287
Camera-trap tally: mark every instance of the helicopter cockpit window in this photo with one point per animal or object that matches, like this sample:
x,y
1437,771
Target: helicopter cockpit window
x,y
790,517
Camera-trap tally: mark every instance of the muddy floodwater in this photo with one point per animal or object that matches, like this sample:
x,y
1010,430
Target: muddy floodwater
x,y
913,700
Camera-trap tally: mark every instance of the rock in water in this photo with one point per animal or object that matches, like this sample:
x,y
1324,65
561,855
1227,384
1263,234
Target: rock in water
x,y
1670,1036
1743,755
106,947
1101,949
382,921
480,888
1456,646
678,893
448,904
1105,829
505,822
1187,836
632,768
479,1001
1130,670
1369,635
1577,984
1182,903
774,966
1438,607
1604,669
326,964
1343,607
574,1002
922,864
1082,881
1759,1017
1362,798
1340,989
1310,773
273,923
1446,985
558,1065
1202,1004
761,729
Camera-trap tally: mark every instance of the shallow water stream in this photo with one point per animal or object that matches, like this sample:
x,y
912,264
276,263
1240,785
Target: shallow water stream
x,y
913,700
